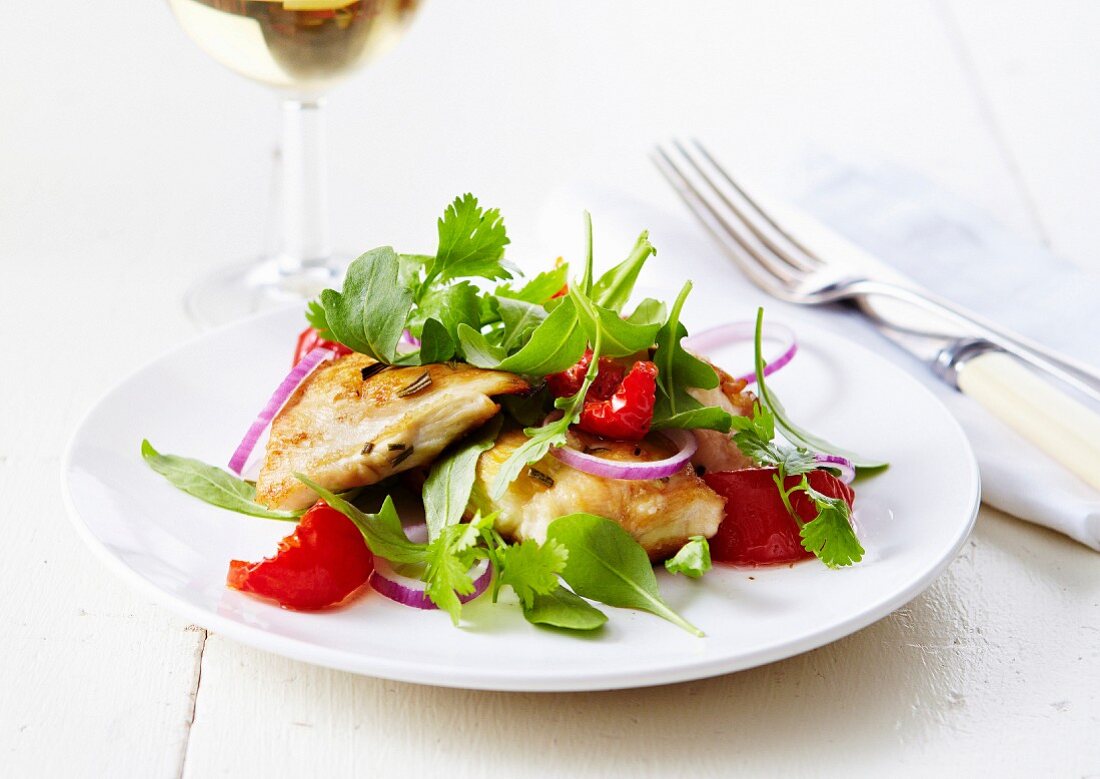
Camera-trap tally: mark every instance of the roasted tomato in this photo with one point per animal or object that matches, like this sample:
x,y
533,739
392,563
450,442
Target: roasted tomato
x,y
757,529
308,340
320,564
619,404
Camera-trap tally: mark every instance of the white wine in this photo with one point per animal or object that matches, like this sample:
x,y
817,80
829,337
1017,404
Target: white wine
x,y
302,46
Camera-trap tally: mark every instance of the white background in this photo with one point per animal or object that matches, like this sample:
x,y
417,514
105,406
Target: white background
x,y
130,164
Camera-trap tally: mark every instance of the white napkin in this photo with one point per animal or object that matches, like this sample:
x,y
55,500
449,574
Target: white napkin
x,y
937,240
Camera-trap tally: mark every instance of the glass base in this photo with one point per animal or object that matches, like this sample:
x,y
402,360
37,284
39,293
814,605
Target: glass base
x,y
259,285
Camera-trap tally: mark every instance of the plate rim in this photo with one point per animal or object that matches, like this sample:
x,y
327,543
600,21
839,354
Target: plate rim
x,y
509,681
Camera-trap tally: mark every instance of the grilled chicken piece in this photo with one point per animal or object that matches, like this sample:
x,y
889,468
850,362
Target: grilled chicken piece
x,y
343,430
661,514
716,451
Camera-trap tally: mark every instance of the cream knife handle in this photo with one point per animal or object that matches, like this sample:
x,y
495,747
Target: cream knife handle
x,y
1063,428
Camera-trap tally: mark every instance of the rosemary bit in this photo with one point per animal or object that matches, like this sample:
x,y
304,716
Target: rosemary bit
x,y
404,455
396,447
372,369
368,447
421,383
539,476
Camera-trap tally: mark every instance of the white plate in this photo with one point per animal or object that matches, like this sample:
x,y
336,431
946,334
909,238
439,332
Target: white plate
x,y
197,401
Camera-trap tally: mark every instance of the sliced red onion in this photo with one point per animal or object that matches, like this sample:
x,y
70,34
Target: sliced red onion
x,y
613,469
842,464
737,332
412,592
275,403
409,339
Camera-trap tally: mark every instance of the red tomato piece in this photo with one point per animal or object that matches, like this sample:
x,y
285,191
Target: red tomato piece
x,y
628,412
757,529
320,564
309,339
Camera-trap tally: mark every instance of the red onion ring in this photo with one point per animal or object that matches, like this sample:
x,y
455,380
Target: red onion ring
x,y
613,469
842,464
275,403
412,592
408,339
736,332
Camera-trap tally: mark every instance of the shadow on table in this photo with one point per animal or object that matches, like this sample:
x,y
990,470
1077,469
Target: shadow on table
x,y
886,684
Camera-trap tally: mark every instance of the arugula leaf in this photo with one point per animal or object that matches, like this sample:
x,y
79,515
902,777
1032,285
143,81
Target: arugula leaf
x,y
520,318
586,277
471,243
621,337
561,608
210,484
790,430
693,559
551,434
556,344
606,564
528,410
649,311
612,290
451,305
448,486
382,531
532,569
539,289
830,535
677,370
436,344
369,315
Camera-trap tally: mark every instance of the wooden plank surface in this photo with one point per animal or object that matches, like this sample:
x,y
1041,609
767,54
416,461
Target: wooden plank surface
x,y
133,164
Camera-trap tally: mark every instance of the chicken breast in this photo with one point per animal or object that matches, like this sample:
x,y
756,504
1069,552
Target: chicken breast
x,y
661,514
354,423
716,451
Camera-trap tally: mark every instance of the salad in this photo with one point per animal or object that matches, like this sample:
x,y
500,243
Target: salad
x,y
561,441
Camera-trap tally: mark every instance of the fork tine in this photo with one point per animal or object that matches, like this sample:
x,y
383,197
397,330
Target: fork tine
x,y
802,257
713,221
754,220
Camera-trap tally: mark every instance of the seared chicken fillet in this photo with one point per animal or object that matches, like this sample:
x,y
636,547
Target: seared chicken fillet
x,y
661,514
716,451
351,424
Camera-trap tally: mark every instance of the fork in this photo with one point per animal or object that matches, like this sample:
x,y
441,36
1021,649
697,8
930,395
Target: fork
x,y
784,267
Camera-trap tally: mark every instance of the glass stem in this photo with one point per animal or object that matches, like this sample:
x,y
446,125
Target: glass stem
x,y
304,227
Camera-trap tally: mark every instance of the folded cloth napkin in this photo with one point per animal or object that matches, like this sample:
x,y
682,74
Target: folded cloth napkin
x,y
935,239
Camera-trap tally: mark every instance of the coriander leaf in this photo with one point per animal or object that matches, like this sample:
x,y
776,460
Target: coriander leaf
x,y
792,432
612,290
561,608
447,488
435,343
520,318
447,576
210,484
693,559
539,289
369,314
532,569
410,267
556,344
606,564
471,242
451,305
621,337
315,315
830,535
382,531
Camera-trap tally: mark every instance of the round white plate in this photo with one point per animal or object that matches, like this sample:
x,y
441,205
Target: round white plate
x,y
198,399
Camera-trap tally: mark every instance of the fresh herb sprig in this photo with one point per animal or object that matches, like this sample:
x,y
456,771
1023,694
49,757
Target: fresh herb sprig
x,y
830,535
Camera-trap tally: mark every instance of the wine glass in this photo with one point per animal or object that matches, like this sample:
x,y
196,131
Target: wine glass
x,y
301,48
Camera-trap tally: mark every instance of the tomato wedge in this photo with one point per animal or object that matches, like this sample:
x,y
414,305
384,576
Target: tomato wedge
x,y
309,339
757,529
320,564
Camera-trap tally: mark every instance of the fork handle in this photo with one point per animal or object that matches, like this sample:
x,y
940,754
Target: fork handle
x,y
1066,430
1072,372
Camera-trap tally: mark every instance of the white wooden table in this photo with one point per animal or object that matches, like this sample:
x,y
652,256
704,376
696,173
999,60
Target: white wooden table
x,y
130,165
